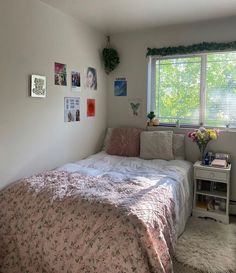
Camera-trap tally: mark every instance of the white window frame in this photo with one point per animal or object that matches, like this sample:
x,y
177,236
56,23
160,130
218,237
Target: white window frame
x,y
151,86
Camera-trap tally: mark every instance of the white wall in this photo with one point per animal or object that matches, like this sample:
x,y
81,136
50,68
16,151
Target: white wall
x,y
132,49
33,135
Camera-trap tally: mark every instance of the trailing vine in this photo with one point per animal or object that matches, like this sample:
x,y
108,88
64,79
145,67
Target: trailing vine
x,y
110,57
195,48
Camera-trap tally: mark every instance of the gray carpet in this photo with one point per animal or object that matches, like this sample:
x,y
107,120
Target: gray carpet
x,y
206,246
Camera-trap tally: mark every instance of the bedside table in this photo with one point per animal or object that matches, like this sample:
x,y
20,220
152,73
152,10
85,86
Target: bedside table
x,y
211,192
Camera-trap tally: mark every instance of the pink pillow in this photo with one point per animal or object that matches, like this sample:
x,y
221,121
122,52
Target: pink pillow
x,y
125,142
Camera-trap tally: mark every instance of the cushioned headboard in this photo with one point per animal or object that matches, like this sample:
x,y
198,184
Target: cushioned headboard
x,y
178,143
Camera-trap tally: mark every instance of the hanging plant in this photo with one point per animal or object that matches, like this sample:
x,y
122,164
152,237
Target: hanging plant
x,y
110,57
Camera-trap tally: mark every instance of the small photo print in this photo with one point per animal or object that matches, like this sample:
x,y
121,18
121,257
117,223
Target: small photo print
x,y
135,107
90,107
71,109
75,81
60,74
120,87
38,86
91,78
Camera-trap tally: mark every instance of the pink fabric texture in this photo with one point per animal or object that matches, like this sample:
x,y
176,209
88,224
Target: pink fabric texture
x,y
125,142
69,223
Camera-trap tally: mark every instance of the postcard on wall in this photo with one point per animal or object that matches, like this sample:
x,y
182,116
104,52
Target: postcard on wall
x,y
135,107
60,74
90,107
71,109
75,81
90,80
120,87
38,86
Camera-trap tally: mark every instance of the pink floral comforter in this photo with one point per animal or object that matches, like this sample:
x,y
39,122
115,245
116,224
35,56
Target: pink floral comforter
x,y
72,223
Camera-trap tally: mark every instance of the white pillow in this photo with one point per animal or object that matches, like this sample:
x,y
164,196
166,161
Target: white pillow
x,y
179,146
156,145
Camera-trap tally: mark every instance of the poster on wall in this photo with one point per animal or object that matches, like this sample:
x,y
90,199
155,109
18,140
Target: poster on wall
x,y
90,78
120,87
75,81
135,107
90,107
71,109
60,74
38,86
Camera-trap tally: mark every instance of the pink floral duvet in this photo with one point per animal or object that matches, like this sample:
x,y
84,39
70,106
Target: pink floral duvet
x,y
62,222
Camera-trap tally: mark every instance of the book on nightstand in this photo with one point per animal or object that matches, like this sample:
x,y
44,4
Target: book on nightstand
x,y
220,163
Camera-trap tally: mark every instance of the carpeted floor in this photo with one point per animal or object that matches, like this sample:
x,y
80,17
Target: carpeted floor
x,y
206,246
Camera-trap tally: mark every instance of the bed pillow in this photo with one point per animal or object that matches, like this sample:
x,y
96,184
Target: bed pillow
x,y
124,142
179,146
156,145
107,139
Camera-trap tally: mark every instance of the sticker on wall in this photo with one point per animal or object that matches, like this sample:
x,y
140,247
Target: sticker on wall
x,y
135,107
71,109
90,107
38,86
120,87
75,81
91,78
60,74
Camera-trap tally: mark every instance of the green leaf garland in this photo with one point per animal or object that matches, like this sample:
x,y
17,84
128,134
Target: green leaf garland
x,y
195,48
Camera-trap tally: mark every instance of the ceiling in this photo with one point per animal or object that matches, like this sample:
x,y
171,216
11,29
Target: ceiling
x,y
112,16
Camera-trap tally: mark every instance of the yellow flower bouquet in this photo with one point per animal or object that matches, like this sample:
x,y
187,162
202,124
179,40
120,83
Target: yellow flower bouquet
x,y
202,136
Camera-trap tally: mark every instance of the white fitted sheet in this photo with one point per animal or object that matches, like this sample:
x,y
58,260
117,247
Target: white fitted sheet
x,y
177,174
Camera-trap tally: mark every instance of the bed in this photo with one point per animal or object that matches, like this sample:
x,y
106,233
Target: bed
x,y
103,214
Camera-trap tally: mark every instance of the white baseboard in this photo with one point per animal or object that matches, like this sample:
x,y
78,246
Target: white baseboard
x,y
232,208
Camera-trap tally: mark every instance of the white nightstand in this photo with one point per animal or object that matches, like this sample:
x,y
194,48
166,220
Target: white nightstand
x,y
211,192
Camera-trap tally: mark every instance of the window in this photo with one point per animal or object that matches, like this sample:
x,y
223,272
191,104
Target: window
x,y
194,89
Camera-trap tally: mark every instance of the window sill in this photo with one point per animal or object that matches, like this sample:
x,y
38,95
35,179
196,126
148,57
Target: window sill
x,y
191,127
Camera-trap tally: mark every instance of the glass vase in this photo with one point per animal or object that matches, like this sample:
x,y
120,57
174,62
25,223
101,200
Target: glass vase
x,y
202,150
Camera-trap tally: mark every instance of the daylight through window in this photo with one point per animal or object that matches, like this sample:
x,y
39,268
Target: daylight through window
x,y
194,89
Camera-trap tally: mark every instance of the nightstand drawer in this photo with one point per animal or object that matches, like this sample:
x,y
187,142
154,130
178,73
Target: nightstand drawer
x,y
221,176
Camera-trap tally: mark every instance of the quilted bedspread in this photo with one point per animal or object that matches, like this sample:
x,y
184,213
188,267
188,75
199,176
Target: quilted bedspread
x,y
65,222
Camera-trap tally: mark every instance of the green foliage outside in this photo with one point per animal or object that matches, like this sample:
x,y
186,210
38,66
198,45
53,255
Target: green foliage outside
x,y
178,90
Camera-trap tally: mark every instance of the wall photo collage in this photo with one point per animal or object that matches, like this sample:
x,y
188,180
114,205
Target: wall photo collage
x,y
71,103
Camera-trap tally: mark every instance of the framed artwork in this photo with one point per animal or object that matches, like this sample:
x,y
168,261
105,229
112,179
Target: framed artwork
x,y
91,78
120,87
90,107
38,86
135,107
60,75
71,109
75,81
